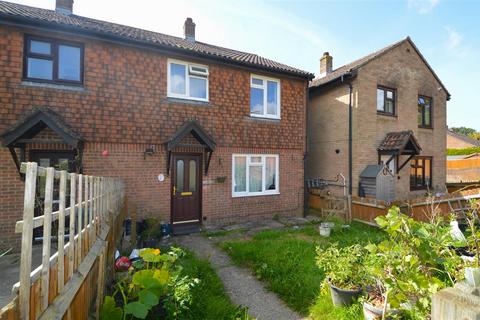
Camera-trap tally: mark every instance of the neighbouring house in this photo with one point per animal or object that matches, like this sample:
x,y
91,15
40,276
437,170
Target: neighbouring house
x,y
199,133
460,141
463,172
388,107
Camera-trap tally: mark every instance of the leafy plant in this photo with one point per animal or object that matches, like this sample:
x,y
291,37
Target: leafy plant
x,y
413,263
343,267
147,285
473,239
152,230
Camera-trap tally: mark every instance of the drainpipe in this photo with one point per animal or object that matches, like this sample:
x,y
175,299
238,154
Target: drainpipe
x,y
305,190
350,151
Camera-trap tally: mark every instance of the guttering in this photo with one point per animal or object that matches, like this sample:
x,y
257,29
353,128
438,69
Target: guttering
x,y
350,133
305,189
126,41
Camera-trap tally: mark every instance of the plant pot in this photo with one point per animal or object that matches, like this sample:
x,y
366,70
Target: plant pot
x,y
324,231
370,312
330,225
342,297
472,276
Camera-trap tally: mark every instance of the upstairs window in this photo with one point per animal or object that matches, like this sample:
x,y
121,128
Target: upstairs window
x,y
385,101
254,175
187,81
424,112
264,97
420,173
54,61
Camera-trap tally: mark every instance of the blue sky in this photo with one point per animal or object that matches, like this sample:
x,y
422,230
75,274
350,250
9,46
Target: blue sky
x,y
298,32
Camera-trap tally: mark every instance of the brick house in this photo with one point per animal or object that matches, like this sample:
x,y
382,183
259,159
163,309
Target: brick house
x,y
199,133
460,141
396,105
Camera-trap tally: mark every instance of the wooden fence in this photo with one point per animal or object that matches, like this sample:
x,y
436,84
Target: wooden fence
x,y
69,283
367,209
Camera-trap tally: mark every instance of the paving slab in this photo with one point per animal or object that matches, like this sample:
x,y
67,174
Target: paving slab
x,y
242,287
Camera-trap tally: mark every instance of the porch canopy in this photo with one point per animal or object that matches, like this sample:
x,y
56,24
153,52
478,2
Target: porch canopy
x,y
24,132
194,129
399,143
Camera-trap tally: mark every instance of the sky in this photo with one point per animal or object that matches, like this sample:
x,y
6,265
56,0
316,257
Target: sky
x,y
296,33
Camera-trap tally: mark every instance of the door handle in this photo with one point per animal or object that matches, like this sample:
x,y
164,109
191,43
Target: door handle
x,y
174,190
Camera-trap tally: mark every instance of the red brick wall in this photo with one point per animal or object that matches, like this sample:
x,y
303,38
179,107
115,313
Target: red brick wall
x,y
123,108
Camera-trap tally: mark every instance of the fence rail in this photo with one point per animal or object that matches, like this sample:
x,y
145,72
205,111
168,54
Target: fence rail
x,y
69,282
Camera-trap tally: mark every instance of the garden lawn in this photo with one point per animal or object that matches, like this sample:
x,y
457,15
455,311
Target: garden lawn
x,y
209,298
285,260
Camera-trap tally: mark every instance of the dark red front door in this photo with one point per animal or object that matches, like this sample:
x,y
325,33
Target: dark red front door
x,y
186,189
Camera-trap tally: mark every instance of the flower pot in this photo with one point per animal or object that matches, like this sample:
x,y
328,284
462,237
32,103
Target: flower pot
x,y
324,231
370,312
330,225
472,275
342,297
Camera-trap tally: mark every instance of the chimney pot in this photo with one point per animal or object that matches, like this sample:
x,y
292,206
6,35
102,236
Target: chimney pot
x,y
189,29
326,64
64,6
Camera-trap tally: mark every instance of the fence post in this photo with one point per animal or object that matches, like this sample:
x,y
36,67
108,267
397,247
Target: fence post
x,y
47,227
61,230
85,214
27,234
80,222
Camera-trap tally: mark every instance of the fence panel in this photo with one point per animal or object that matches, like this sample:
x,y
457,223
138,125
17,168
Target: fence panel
x,y
71,281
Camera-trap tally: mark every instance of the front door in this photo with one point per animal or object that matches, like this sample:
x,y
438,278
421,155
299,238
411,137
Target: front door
x,y
186,189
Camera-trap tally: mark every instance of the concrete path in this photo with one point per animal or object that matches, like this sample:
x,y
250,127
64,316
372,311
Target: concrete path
x,y
241,286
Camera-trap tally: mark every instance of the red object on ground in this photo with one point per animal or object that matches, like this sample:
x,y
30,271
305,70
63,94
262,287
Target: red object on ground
x,y
105,153
122,264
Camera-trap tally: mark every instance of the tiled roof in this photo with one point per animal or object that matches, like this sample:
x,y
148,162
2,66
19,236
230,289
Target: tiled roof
x,y
397,141
467,139
78,24
353,66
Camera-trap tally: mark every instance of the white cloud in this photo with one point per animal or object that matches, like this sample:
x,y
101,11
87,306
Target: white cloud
x,y
423,6
455,43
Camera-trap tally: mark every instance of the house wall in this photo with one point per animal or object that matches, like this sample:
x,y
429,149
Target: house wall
x,y
123,108
400,68
328,133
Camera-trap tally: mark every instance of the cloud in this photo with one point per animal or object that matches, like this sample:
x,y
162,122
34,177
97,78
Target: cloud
x,y
455,43
423,6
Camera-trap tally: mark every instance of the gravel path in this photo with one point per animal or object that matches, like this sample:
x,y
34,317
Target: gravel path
x,y
241,286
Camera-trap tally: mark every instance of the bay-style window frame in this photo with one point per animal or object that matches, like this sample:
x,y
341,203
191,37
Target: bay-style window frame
x,y
422,111
415,164
264,87
249,163
393,100
53,57
192,70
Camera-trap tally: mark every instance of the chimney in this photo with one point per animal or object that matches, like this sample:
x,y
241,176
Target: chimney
x,y
64,6
188,29
326,64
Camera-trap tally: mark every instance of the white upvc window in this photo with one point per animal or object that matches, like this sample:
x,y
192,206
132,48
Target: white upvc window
x,y
255,175
187,80
264,97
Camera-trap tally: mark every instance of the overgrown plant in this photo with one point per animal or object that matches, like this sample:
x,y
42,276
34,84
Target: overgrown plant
x,y
149,286
343,267
414,262
473,239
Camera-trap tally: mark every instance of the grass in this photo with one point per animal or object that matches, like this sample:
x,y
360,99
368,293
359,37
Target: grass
x,y
285,260
209,298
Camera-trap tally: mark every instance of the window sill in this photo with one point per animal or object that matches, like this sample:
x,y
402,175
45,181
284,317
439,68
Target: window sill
x,y
254,195
56,86
386,114
269,120
188,102
426,128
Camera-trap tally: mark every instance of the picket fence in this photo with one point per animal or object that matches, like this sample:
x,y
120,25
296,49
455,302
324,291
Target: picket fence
x,y
69,284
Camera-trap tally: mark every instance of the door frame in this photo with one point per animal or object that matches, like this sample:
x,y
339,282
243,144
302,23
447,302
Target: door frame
x,y
200,187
